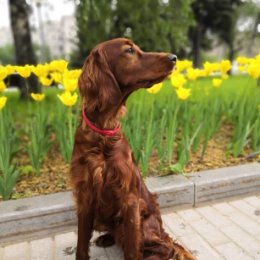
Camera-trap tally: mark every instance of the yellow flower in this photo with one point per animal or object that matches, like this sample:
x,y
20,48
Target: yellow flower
x,y
10,69
37,97
3,72
225,66
2,102
70,84
242,60
67,99
41,70
183,93
182,65
56,76
45,81
216,82
2,86
58,65
155,88
211,67
72,73
193,74
242,68
178,80
25,71
254,69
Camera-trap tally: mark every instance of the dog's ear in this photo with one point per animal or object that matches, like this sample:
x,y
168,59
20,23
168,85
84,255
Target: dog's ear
x,y
97,84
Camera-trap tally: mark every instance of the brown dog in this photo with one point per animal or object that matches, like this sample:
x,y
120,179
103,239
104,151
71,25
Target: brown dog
x,y
110,193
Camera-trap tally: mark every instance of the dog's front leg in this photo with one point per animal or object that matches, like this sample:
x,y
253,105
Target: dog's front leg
x,y
85,229
132,229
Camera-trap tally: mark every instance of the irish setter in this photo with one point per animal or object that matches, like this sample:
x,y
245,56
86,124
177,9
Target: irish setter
x,y
109,191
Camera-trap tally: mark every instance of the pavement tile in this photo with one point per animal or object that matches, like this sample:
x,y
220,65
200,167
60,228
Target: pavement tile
x,y
243,240
245,222
214,216
199,247
64,244
16,252
1,252
177,225
253,201
223,207
189,215
231,251
227,230
42,249
210,233
247,209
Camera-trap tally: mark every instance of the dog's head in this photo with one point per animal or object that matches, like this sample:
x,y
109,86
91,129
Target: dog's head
x,y
116,68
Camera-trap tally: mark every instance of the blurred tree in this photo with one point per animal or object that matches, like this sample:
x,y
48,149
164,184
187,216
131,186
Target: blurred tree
x,y
94,24
22,42
155,25
249,20
217,16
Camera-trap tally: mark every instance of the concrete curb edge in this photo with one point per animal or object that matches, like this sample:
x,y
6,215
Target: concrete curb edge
x,y
49,213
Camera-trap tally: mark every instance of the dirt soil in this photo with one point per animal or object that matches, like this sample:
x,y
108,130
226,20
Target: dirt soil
x,y
54,175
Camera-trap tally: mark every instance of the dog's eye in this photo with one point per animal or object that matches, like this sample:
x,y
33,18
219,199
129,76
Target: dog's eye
x,y
130,50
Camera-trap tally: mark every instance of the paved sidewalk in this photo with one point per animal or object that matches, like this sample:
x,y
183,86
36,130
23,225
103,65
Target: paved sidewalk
x,y
224,230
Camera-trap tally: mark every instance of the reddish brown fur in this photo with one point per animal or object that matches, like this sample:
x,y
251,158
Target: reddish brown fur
x,y
110,193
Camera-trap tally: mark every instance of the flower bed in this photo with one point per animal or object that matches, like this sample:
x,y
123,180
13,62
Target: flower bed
x,y
176,126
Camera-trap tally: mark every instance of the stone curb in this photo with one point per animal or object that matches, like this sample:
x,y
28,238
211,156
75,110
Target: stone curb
x,y
31,217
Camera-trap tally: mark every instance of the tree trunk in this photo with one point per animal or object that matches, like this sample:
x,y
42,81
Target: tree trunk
x,y
23,43
196,46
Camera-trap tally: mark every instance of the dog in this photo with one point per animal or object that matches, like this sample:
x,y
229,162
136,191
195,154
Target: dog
x,y
109,192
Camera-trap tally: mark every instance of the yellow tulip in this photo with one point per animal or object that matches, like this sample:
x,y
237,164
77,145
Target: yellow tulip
x,y
254,70
3,101
216,82
3,72
207,68
72,73
2,86
10,69
178,80
37,97
211,67
70,84
155,88
67,99
45,81
242,68
225,66
40,70
182,65
193,74
25,71
257,58
58,65
56,76
183,93
242,60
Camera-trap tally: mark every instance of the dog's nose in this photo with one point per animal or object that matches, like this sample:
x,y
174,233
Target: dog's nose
x,y
172,57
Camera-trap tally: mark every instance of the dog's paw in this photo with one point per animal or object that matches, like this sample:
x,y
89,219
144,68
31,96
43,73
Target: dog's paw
x,y
105,241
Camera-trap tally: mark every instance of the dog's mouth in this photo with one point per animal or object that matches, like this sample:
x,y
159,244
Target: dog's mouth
x,y
151,82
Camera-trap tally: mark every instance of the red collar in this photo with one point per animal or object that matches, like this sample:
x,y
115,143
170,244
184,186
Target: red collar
x,y
107,132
